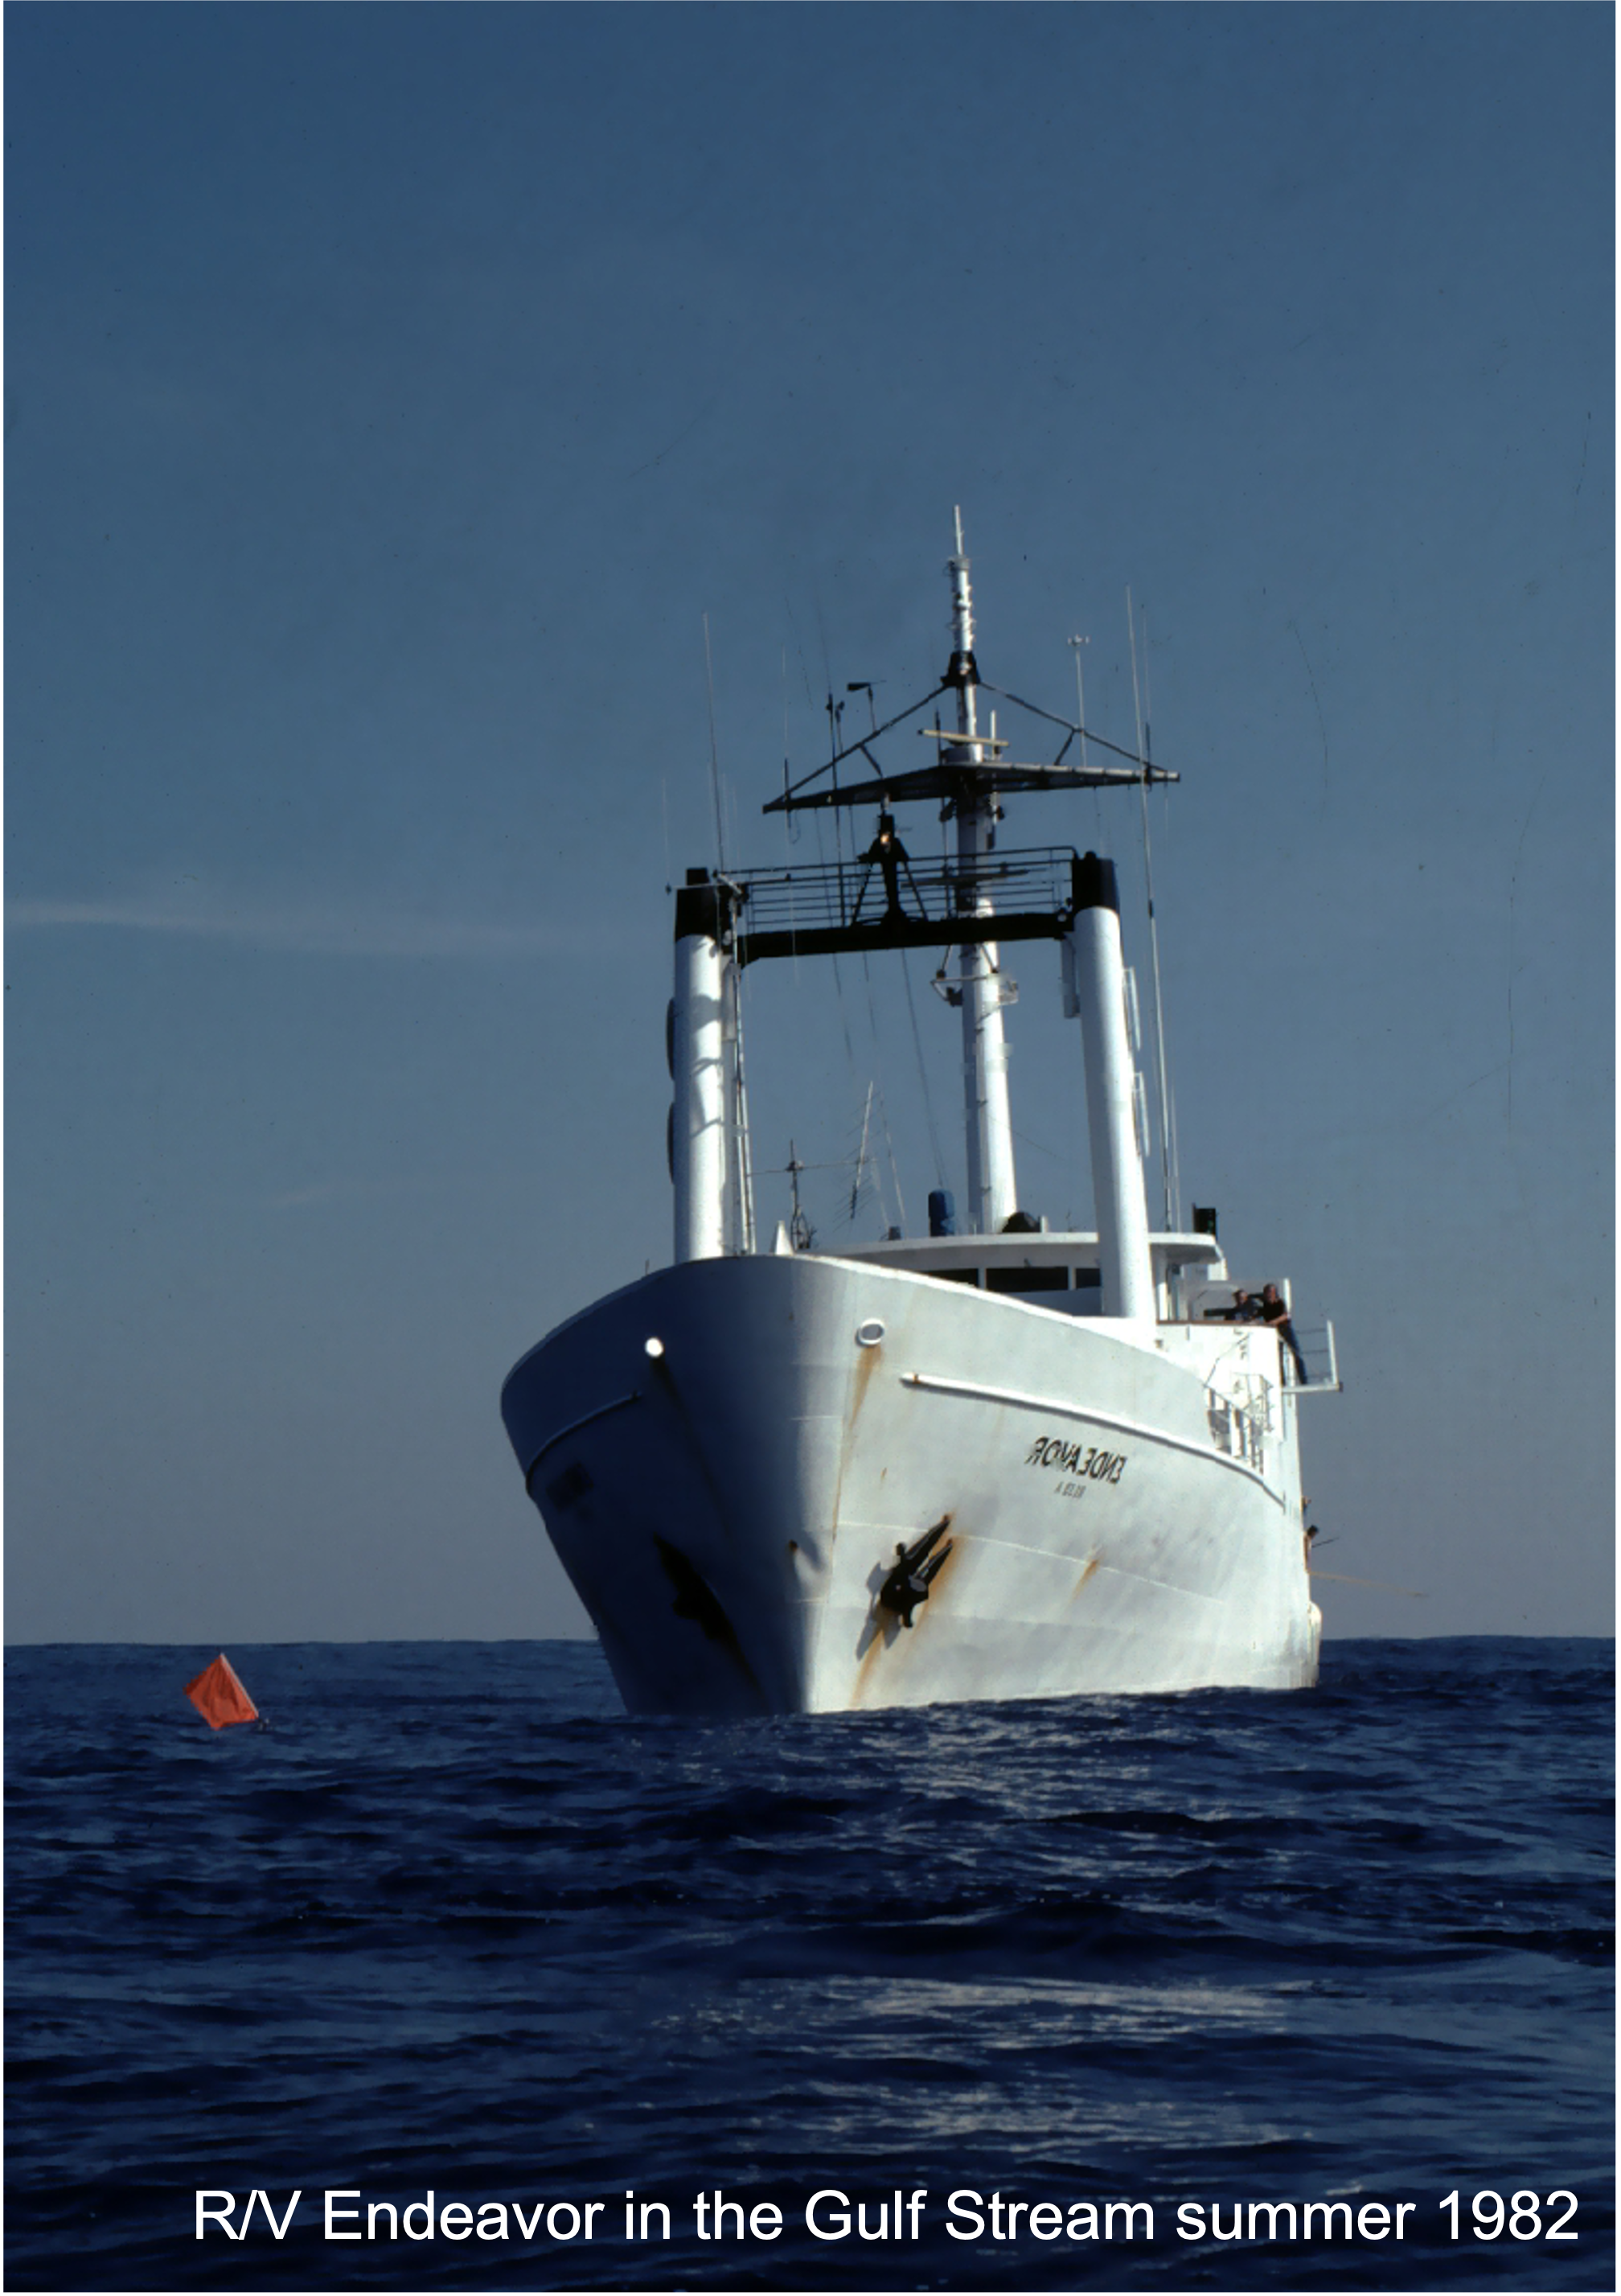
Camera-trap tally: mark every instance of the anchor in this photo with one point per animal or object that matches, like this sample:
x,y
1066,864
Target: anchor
x,y
916,1567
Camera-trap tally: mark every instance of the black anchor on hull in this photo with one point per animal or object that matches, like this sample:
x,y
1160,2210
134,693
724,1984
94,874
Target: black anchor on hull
x,y
916,1567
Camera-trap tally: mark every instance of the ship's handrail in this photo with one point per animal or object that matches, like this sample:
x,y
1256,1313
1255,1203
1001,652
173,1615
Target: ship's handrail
x,y
1316,1344
1032,1247
896,903
1066,1407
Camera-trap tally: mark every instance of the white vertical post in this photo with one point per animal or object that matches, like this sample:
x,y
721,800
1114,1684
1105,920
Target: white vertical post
x,y
739,1192
1098,975
698,1059
992,1197
992,1192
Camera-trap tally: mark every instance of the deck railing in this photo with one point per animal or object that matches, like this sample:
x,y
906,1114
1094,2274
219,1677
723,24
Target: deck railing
x,y
893,902
1316,1344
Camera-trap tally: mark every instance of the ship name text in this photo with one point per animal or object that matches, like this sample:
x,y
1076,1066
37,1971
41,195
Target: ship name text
x,y
1084,1462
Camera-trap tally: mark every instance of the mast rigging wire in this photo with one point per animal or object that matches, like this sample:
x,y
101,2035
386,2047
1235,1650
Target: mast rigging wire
x,y
917,1040
1132,757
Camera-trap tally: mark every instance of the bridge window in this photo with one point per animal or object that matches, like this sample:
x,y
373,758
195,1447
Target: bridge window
x,y
1027,1279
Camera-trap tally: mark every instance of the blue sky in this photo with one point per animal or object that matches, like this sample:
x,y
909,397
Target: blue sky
x,y
391,394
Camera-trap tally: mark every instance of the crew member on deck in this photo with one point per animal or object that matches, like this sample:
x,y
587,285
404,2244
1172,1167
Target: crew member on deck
x,y
891,857
1274,1313
1245,1309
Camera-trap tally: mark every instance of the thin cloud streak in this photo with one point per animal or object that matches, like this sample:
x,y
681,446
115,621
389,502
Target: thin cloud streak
x,y
350,1189
296,931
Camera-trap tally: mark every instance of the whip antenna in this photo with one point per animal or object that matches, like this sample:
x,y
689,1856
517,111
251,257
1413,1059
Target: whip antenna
x,y
720,829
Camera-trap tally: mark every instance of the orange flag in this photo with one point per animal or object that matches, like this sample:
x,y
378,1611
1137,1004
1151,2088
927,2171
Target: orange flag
x,y
220,1698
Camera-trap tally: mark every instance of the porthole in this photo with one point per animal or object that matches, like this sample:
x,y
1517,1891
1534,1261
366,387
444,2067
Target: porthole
x,y
868,1334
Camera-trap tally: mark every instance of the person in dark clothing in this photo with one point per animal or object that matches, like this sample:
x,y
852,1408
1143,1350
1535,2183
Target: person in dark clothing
x,y
1275,1315
891,855
1245,1309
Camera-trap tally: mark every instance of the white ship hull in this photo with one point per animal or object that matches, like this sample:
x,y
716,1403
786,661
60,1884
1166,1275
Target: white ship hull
x,y
1122,1499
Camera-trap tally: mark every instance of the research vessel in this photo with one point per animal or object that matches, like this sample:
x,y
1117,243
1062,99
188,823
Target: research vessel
x,y
991,1462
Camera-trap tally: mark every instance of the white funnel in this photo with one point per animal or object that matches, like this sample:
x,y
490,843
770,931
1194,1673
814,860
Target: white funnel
x,y
1098,983
697,1068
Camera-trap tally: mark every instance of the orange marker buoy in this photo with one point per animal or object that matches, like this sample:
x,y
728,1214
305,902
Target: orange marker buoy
x,y
219,1697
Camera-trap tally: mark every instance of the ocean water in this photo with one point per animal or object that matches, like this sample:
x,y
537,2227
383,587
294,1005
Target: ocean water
x,y
450,1922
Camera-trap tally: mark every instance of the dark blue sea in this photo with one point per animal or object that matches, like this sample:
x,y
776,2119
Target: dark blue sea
x,y
1119,1987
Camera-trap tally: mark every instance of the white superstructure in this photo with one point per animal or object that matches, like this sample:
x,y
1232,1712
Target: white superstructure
x,y
998,1464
